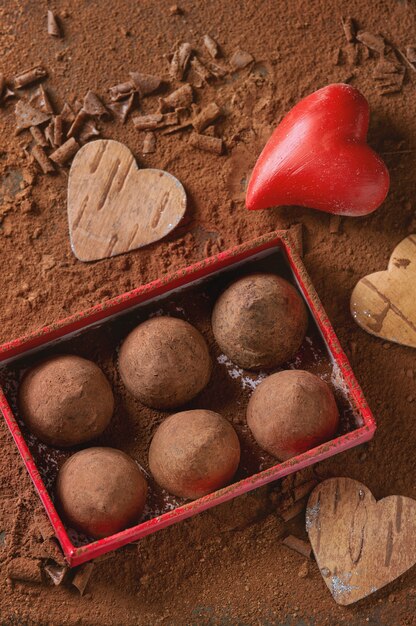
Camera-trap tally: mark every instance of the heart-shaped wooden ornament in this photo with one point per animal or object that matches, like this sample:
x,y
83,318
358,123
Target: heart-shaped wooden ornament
x,y
115,207
384,303
360,544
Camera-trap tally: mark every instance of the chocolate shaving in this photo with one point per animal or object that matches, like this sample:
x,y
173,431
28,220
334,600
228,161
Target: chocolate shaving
x,y
53,26
79,121
182,97
352,52
38,136
65,152
82,577
121,91
349,29
302,547
411,54
49,133
5,92
175,129
200,69
40,100
88,131
29,76
216,70
67,114
240,59
55,572
206,117
208,144
57,130
371,41
145,84
42,158
149,143
93,106
27,116
122,108
180,61
145,122
211,46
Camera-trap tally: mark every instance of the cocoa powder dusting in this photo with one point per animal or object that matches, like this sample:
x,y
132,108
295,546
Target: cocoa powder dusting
x,y
227,565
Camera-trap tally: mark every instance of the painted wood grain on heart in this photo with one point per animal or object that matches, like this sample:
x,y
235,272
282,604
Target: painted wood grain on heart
x,y
360,544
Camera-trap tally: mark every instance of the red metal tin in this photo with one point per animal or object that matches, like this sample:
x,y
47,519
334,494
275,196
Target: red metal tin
x,y
99,314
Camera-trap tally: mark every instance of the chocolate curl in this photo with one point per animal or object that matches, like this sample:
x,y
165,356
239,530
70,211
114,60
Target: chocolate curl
x,y
65,152
208,144
27,116
211,46
145,84
79,121
240,59
206,117
25,569
182,97
200,69
38,136
40,100
93,106
43,160
29,76
121,91
55,572
82,577
180,60
149,143
5,92
146,122
57,130
349,28
302,547
67,114
122,109
53,26
89,130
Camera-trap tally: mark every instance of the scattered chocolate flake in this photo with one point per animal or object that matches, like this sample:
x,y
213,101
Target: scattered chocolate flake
x,y
57,130
180,61
5,92
209,144
65,152
352,53
67,114
27,116
82,577
411,54
174,129
169,119
349,28
93,106
211,46
337,57
175,10
53,25
79,121
40,100
55,572
216,70
122,108
121,91
389,76
145,84
49,133
29,76
38,136
371,41
149,143
240,59
43,160
300,546
206,117
182,97
88,131
145,122
200,69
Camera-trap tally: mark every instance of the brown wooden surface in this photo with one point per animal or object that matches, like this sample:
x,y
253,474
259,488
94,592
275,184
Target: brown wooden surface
x,y
360,545
114,207
384,303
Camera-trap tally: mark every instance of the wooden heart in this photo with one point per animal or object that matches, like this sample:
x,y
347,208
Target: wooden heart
x,y
360,544
384,303
114,207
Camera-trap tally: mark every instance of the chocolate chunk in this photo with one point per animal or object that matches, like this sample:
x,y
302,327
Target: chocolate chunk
x,y
121,91
206,117
93,106
53,25
38,136
240,59
145,122
180,61
40,100
65,152
182,97
209,144
349,28
371,41
27,116
122,108
27,77
149,143
211,46
145,84
43,160
88,131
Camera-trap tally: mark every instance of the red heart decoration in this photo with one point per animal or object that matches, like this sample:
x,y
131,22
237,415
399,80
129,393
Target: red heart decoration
x,y
318,157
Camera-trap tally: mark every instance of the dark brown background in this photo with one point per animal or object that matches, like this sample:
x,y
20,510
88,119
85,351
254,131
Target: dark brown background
x,y
226,566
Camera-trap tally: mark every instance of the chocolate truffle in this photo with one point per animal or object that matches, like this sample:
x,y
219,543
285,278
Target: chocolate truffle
x,y
165,362
101,491
194,453
291,412
66,400
260,321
